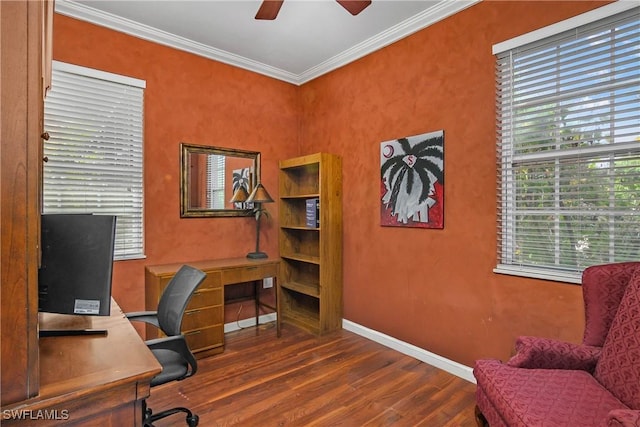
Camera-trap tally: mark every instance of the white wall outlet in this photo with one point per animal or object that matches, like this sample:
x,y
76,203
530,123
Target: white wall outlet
x,y
267,282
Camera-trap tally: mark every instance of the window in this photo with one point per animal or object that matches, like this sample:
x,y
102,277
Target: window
x,y
568,109
215,181
95,123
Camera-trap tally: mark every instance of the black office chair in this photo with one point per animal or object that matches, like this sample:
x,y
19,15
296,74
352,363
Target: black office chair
x,y
172,351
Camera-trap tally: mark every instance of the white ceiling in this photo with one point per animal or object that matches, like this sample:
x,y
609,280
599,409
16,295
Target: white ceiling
x,y
307,39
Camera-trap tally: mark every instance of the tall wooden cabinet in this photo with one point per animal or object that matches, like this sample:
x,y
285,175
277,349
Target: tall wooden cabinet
x,y
310,281
22,54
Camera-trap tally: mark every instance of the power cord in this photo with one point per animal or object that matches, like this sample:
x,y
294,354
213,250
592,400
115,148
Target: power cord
x,y
264,324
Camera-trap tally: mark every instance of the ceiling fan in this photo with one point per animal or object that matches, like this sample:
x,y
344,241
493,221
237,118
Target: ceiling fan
x,y
269,8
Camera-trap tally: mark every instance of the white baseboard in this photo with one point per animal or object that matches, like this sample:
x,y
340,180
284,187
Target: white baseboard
x,y
247,323
455,368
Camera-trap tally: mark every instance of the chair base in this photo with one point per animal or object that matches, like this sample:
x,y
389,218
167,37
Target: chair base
x,y
149,417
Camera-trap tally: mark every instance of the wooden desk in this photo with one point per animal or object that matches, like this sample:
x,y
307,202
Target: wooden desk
x,y
88,380
203,324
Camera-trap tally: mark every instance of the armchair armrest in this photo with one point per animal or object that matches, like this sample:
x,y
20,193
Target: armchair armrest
x,y
545,353
624,418
150,317
177,344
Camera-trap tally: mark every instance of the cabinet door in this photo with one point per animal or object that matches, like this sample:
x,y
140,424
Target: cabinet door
x,y
21,111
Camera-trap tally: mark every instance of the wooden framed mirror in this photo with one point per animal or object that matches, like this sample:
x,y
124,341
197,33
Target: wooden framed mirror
x,y
209,177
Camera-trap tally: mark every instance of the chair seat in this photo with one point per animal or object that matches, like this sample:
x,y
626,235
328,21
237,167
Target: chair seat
x,y
174,366
544,397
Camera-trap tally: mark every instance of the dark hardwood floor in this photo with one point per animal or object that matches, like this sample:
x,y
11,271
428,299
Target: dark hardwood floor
x,y
340,379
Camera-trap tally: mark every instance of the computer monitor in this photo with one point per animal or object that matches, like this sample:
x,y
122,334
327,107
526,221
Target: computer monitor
x,y
77,264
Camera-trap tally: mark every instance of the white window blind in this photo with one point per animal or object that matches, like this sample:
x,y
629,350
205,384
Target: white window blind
x,y
568,135
95,123
215,181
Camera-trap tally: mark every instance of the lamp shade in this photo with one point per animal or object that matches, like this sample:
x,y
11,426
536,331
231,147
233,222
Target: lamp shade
x,y
259,195
239,196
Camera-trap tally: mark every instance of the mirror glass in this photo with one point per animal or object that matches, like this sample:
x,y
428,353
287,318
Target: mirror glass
x,y
210,176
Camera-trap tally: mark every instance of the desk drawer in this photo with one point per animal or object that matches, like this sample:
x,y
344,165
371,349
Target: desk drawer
x,y
248,274
205,298
213,280
201,317
204,338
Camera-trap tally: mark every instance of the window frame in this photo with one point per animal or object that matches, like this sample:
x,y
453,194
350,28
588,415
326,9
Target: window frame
x,y
126,135
555,274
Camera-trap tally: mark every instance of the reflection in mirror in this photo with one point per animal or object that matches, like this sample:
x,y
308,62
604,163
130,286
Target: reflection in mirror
x,y
210,176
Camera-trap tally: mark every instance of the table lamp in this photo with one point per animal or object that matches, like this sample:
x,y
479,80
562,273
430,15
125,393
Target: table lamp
x,y
258,196
240,196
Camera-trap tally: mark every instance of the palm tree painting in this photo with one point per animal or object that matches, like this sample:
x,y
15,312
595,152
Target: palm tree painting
x,y
241,178
412,181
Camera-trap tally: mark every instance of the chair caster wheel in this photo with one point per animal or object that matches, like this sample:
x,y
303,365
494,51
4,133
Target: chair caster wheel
x,y
193,421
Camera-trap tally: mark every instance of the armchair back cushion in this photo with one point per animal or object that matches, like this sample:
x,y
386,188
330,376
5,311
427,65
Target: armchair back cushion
x,y
603,287
618,368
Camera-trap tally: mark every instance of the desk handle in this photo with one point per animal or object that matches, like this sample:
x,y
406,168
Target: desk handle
x,y
196,332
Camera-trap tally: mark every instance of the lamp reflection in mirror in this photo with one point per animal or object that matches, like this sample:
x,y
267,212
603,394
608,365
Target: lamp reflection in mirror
x,y
240,196
258,196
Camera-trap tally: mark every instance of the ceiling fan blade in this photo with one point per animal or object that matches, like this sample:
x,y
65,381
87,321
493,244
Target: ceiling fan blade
x,y
269,9
354,6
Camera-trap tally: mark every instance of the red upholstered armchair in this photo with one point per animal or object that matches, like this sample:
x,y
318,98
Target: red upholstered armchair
x,y
553,383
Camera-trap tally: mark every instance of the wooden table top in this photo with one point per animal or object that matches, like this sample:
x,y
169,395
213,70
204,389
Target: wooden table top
x,y
75,364
212,264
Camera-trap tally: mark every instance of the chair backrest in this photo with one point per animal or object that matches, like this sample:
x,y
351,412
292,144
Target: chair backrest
x,y
175,298
602,289
618,368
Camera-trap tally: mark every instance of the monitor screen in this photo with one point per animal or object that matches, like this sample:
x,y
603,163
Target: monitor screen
x,y
77,263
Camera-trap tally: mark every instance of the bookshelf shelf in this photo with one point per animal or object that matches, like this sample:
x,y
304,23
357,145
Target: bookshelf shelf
x,y
299,227
302,258
301,196
303,288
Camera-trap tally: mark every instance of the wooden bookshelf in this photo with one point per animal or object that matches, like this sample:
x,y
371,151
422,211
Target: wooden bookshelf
x,y
310,281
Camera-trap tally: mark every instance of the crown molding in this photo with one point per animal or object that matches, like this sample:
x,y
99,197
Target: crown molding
x,y
428,17
145,32
404,29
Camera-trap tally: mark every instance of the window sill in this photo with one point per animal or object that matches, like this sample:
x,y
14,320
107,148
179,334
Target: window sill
x,y
129,257
539,273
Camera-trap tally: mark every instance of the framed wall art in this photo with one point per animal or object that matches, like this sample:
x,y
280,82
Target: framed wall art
x,y
412,181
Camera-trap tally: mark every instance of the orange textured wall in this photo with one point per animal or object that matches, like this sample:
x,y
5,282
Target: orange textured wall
x,y
435,288
431,288
188,99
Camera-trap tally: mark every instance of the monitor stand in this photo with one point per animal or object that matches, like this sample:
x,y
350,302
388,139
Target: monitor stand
x,y
70,332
